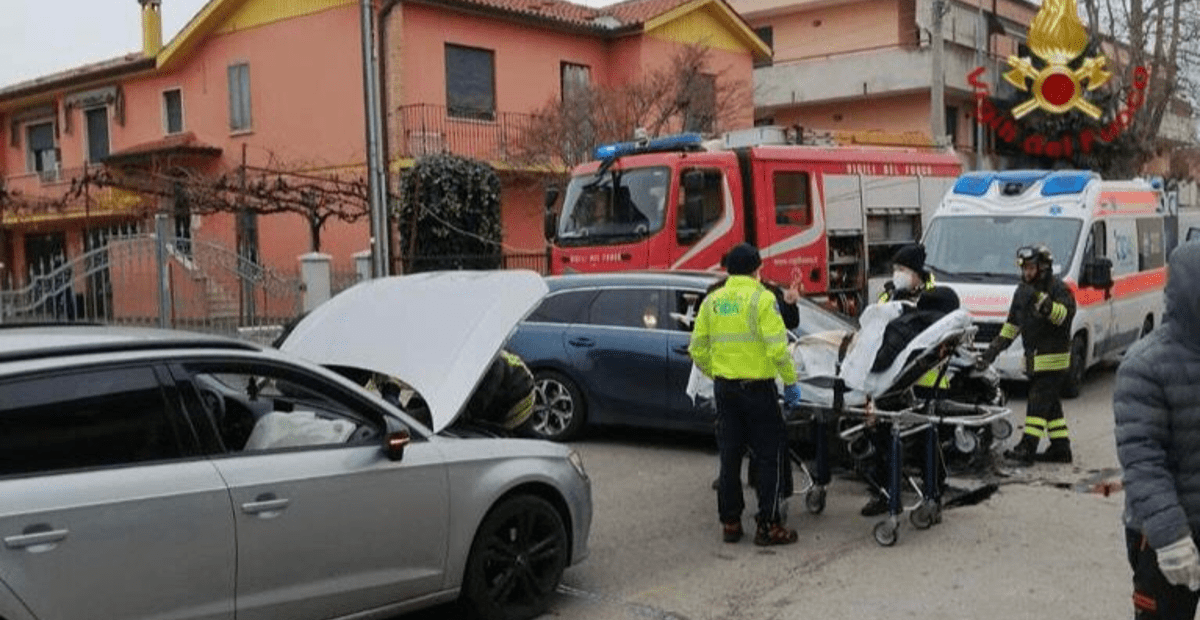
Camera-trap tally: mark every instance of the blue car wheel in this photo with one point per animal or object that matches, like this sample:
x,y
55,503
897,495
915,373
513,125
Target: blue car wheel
x,y
558,408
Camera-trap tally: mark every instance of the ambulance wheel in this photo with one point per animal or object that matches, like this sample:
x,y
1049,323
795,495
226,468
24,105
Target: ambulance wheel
x,y
1074,380
558,407
814,500
886,533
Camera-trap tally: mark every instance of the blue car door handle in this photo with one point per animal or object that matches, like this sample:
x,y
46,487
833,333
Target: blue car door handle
x,y
35,537
582,342
266,505
681,349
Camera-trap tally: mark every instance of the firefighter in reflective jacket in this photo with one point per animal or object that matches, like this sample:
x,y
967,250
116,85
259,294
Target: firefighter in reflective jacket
x,y
739,340
1041,313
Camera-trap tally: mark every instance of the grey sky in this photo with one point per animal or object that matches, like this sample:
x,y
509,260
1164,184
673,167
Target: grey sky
x,y
38,37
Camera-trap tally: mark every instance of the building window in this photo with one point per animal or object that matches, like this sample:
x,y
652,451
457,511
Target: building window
x,y
41,156
173,111
701,98
239,97
97,134
767,34
470,83
575,81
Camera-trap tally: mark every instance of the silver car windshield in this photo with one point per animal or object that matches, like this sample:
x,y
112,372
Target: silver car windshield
x,y
620,205
984,248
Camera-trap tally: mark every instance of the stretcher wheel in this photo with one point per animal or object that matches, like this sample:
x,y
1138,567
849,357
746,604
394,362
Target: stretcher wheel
x,y
887,532
1002,429
814,500
923,517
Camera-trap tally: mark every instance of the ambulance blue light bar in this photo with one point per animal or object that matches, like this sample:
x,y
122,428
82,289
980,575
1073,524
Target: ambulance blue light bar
x,y
680,142
1067,182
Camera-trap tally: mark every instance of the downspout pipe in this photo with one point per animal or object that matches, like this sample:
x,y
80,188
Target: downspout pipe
x,y
385,10
376,174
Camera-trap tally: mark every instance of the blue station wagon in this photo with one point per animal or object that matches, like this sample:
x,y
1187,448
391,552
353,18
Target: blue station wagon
x,y
611,349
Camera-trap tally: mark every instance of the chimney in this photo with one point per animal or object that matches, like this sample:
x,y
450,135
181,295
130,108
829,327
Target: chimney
x,y
151,27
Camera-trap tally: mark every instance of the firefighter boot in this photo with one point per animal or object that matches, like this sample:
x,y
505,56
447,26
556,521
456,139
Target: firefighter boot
x,y
1058,452
1024,451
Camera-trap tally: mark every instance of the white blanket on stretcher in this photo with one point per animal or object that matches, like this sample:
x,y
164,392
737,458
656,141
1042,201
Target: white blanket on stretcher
x,y
816,356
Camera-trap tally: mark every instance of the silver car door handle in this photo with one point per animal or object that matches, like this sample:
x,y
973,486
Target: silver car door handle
x,y
265,505
21,541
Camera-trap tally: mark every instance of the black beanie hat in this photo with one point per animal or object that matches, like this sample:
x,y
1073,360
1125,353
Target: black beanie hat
x,y
742,260
941,299
911,256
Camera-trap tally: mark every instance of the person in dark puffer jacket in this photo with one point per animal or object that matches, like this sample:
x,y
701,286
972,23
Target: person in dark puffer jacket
x,y
1156,404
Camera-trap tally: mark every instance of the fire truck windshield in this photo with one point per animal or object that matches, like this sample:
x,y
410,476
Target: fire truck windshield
x,y
984,248
621,205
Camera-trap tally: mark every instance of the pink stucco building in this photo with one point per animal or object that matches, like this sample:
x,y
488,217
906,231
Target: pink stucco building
x,y
256,93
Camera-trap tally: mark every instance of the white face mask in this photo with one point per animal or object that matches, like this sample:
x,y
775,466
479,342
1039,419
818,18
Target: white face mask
x,y
902,281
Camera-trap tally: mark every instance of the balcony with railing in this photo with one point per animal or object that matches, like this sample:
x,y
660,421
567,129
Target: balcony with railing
x,y
504,138
885,70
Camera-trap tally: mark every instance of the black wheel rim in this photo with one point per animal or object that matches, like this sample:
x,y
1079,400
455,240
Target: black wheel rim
x,y
522,558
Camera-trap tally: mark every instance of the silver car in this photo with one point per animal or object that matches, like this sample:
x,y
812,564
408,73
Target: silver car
x,y
159,474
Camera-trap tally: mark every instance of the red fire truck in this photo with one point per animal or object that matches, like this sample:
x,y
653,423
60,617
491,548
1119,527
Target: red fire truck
x,y
828,216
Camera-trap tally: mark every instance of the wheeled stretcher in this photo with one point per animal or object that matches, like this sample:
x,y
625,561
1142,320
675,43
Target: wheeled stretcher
x,y
843,400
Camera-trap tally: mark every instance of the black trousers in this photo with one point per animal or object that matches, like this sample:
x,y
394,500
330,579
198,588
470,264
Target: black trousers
x,y
748,416
1044,412
1154,598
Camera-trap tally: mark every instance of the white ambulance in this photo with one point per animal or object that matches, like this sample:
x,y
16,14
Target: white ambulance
x,y
1109,246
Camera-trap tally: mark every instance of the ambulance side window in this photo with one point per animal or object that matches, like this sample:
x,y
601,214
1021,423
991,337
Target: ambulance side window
x,y
1150,244
1096,243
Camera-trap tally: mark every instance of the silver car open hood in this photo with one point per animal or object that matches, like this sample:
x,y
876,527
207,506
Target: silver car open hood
x,y
438,332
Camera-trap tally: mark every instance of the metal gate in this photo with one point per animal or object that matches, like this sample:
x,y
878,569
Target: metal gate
x,y
129,278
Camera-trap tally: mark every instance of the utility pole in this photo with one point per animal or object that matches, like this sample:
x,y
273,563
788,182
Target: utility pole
x,y
937,91
376,171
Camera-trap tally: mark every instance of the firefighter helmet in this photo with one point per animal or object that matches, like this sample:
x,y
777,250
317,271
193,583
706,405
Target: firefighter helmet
x,y
1037,252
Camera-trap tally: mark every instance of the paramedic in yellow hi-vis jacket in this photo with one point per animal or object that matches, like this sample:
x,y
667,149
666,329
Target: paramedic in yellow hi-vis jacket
x,y
1041,312
740,342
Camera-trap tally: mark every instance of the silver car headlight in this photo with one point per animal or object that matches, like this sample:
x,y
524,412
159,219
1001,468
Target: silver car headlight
x,y
577,462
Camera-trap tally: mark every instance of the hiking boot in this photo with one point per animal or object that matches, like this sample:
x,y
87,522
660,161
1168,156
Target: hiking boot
x,y
1056,453
732,532
876,506
774,534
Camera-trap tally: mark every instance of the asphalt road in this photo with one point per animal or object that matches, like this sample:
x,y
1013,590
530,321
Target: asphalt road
x,y
1046,544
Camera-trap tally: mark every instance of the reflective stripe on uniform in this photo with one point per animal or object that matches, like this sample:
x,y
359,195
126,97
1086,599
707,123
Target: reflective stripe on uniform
x,y
1035,426
1051,361
1009,331
1057,428
1058,312
928,379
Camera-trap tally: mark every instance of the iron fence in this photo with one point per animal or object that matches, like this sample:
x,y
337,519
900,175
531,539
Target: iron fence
x,y
154,280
